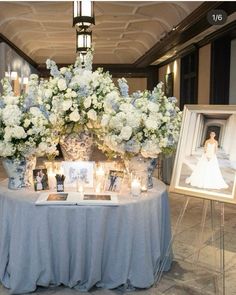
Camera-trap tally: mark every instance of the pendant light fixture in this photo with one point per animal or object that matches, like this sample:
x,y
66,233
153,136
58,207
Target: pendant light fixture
x,y
83,41
83,16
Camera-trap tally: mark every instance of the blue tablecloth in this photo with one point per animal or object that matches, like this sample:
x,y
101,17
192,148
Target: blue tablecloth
x,y
82,246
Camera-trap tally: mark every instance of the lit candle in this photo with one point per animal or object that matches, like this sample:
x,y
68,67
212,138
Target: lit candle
x,y
135,187
100,172
81,188
51,179
98,188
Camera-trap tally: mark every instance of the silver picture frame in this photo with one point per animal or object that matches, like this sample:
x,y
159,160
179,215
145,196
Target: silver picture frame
x,y
205,162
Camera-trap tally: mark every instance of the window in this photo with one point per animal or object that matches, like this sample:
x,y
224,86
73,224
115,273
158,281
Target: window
x,y
188,79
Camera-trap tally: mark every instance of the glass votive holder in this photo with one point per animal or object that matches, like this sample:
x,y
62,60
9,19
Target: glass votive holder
x,y
135,187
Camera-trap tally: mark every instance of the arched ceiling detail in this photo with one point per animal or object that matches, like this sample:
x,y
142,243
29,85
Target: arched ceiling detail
x,y
124,31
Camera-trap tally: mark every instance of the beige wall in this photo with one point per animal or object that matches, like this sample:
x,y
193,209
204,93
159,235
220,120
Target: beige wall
x,y
175,68
134,84
204,74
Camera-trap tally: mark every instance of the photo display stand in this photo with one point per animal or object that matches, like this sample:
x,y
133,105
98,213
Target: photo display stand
x,y
220,278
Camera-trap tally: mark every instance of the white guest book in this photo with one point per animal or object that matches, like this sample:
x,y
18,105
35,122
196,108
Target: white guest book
x,y
76,198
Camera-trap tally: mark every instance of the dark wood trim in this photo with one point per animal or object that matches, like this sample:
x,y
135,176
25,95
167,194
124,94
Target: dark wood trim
x,y
18,51
229,30
220,71
116,70
192,25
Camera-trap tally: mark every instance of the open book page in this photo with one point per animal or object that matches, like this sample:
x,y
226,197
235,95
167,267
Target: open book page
x,y
76,198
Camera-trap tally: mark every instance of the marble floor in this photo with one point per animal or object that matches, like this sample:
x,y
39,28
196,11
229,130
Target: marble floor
x,y
193,272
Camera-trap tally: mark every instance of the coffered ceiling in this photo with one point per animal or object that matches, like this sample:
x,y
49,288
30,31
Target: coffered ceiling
x,y
124,31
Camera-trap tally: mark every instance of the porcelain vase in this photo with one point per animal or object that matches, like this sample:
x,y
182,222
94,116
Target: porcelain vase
x,y
76,146
141,168
19,172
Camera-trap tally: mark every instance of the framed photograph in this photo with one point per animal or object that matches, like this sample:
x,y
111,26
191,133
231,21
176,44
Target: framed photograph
x,y
169,81
114,180
82,171
40,179
205,163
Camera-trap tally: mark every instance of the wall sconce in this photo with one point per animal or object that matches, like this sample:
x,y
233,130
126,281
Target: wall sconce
x,y
83,14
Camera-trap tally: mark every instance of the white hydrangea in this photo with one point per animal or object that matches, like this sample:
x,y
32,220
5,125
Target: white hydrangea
x,y
6,149
11,100
11,132
151,123
150,149
11,115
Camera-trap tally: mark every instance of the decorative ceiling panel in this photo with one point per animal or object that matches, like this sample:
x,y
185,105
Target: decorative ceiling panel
x,y
124,31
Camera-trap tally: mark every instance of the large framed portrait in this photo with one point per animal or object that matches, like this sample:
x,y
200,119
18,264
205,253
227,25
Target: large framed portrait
x,y
205,163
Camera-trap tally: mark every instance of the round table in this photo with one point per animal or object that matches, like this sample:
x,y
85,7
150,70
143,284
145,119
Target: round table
x,y
82,246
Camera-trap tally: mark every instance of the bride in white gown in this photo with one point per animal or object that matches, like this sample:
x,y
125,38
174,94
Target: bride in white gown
x,y
207,173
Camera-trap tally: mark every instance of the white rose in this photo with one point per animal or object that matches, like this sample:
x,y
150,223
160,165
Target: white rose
x,y
87,102
74,116
105,120
62,84
48,93
66,104
63,70
126,132
92,115
35,112
19,132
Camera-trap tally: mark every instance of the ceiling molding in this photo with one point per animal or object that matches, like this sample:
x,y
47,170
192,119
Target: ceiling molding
x,y
192,25
18,51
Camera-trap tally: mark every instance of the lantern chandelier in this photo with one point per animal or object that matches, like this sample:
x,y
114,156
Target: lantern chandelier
x,y
83,19
83,14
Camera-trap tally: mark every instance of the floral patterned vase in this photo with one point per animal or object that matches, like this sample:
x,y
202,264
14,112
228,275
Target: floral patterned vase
x,y
142,168
19,172
76,146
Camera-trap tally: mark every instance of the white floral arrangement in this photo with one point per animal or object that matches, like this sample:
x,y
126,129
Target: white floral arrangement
x,y
74,96
24,128
145,123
